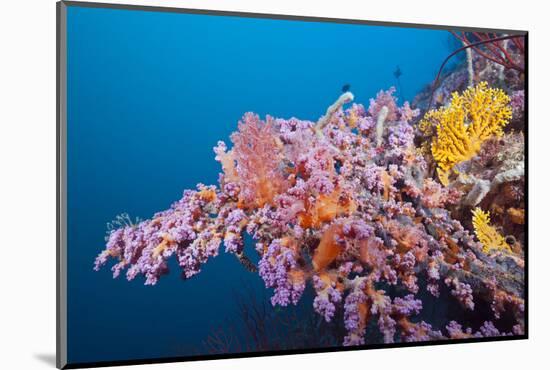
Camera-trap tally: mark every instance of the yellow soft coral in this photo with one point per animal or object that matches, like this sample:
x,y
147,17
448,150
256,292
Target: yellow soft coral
x,y
471,118
487,234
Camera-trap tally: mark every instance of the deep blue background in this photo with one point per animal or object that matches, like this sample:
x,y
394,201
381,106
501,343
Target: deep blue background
x,y
149,95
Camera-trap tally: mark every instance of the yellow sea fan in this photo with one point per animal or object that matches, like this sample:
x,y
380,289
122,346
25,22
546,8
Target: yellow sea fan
x,y
428,123
471,118
487,234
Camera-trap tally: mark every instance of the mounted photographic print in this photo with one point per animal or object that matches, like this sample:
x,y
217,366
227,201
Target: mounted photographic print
x,y
235,184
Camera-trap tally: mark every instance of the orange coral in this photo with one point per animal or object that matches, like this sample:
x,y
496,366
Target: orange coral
x,y
326,208
328,248
207,194
165,243
330,278
364,309
407,237
387,181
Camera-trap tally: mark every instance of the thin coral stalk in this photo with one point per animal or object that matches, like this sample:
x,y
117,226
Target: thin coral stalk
x,y
435,84
496,52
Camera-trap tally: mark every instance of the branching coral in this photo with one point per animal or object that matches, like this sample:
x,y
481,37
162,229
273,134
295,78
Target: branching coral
x,y
348,207
470,119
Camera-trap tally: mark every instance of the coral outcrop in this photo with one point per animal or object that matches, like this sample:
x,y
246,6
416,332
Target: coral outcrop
x,y
349,206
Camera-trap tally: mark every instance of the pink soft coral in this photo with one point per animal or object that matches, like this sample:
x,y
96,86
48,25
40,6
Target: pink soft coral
x,y
384,99
257,151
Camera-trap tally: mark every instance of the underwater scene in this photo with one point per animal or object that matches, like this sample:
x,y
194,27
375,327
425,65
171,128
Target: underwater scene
x,y
259,184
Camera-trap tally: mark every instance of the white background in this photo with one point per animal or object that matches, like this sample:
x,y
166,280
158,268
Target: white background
x,y
27,182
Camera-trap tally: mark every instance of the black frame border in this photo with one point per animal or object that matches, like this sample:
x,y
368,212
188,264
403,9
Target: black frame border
x,y
61,184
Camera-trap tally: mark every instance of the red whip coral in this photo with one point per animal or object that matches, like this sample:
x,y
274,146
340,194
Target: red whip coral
x,y
508,53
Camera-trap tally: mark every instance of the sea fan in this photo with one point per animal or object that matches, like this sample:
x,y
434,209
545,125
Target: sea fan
x,y
472,117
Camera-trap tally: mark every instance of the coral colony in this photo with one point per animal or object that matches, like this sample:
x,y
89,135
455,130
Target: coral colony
x,y
374,207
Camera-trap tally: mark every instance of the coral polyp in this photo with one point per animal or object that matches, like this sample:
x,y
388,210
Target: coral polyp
x,y
349,207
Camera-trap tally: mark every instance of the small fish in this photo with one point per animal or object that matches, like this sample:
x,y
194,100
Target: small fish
x,y
346,88
397,73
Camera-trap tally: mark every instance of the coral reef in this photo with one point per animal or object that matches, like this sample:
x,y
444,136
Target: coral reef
x,y
348,206
371,216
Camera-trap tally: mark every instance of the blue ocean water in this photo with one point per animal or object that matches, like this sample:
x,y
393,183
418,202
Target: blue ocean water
x,y
149,95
